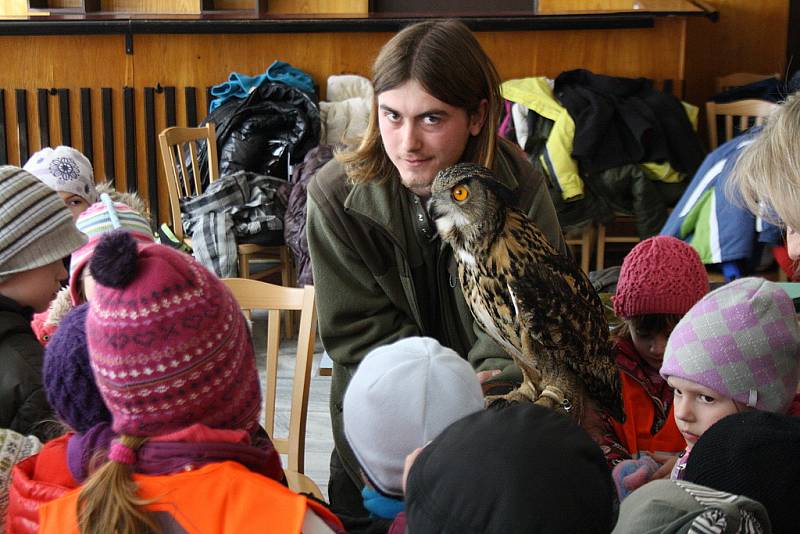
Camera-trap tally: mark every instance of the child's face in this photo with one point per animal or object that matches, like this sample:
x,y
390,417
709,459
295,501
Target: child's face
x,y
697,408
88,285
75,203
37,287
649,345
793,243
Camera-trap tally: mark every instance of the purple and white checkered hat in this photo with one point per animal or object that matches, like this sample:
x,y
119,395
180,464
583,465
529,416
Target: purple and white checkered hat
x,y
741,340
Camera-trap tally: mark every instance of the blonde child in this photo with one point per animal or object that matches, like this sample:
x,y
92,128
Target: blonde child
x,y
767,175
736,350
174,363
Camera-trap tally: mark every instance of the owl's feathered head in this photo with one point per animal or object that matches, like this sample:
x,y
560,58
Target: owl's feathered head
x,y
467,202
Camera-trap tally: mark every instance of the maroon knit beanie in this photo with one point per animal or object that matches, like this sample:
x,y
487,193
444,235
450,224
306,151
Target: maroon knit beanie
x,y
168,344
661,275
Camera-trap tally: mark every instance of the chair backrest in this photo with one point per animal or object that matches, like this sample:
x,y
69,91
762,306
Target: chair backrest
x,y
749,112
738,79
257,295
174,143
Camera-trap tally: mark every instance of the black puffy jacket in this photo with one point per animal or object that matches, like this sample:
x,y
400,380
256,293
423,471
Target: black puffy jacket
x,y
23,405
264,133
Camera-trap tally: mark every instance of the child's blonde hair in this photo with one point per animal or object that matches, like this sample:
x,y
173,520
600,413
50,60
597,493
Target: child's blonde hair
x,y
108,500
766,177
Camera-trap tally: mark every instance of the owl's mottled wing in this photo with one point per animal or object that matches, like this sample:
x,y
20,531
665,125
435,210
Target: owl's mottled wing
x,y
563,315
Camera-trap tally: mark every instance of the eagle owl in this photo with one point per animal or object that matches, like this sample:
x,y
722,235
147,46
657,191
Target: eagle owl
x,y
535,302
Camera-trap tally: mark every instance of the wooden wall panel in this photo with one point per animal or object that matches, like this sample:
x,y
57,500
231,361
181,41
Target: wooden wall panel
x,y
749,37
151,6
14,7
70,62
318,6
593,6
650,52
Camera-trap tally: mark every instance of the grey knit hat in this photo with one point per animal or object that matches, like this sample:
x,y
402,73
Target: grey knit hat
x,y
401,397
678,506
742,341
64,169
36,228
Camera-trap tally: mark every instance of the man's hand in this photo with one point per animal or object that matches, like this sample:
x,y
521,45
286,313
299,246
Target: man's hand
x,y
483,376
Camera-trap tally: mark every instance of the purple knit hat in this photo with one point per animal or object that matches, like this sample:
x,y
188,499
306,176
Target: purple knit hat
x,y
661,274
68,380
742,341
168,344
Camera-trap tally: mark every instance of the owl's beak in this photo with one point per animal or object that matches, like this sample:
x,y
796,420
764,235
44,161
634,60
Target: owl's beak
x,y
434,210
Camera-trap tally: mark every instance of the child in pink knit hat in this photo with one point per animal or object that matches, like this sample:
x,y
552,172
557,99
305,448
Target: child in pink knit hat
x,y
738,349
173,360
660,280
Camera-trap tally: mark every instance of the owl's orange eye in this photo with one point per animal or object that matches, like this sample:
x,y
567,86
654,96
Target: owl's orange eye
x,y
460,193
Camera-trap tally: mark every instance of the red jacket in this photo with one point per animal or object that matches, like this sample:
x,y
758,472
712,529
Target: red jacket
x,y
219,497
648,426
34,481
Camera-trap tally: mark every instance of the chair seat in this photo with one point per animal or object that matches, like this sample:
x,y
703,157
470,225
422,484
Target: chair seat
x,y
301,483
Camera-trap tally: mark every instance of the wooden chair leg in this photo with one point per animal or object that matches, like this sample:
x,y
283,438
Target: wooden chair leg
x,y
586,247
244,266
286,281
601,247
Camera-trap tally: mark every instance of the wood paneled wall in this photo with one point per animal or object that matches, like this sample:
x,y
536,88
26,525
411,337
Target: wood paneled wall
x,y
318,6
748,37
202,60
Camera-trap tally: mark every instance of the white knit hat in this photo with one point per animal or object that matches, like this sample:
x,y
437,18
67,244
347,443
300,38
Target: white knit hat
x,y
401,397
36,228
64,169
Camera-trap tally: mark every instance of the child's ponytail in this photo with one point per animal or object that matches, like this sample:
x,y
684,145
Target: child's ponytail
x,y
108,500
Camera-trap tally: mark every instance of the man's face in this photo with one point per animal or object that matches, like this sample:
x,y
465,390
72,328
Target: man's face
x,y
37,287
423,135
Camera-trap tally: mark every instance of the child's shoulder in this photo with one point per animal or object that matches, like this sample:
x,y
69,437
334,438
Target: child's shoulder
x,y
18,343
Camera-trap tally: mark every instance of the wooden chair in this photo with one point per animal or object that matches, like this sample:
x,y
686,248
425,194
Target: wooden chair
x,y
603,238
749,112
737,79
257,295
180,184
583,241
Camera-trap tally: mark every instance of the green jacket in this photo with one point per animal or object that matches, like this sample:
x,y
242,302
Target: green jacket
x,y
366,256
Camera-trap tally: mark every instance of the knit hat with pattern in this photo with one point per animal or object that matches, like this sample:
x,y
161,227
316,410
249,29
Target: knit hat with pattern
x,y
100,218
742,341
64,169
401,397
168,344
36,228
753,454
67,375
660,275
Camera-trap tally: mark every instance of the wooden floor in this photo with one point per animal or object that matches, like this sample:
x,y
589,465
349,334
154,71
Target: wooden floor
x,y
319,440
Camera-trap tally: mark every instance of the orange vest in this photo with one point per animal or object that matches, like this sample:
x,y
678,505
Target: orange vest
x,y
640,414
220,497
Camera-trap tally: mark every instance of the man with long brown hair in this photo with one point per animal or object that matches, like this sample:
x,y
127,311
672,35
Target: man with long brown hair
x,y
381,272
